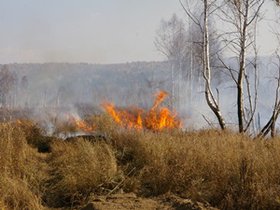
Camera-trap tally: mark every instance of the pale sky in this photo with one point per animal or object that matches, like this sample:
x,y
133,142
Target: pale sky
x,y
93,31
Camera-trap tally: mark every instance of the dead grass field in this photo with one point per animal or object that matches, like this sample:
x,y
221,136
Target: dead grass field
x,y
222,169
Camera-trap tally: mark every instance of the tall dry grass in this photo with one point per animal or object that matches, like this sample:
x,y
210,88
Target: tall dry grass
x,y
225,169
80,168
228,170
21,177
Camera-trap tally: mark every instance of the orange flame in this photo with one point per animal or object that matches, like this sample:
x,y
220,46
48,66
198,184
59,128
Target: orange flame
x,y
81,125
159,99
155,119
125,118
110,108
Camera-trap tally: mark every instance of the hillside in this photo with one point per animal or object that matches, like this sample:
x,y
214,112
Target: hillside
x,y
62,84
68,88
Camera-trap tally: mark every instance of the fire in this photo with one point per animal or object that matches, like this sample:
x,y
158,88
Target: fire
x,y
125,118
156,119
159,99
110,108
81,125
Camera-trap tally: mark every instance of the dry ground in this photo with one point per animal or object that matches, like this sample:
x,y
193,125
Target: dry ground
x,y
129,201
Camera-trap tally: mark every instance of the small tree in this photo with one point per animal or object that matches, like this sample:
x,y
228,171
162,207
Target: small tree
x,y
211,100
241,18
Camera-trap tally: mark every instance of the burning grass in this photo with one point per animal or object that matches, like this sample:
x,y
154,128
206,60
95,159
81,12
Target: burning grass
x,y
72,124
156,119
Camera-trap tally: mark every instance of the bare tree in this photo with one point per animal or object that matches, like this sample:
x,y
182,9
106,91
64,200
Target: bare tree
x,y
171,41
241,17
240,20
211,100
270,126
271,123
195,46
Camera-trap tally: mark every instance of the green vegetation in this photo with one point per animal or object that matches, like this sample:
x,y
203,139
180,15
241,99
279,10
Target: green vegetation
x,y
227,170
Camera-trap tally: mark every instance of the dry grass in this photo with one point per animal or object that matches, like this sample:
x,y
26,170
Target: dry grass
x,y
16,194
20,182
79,169
34,135
227,170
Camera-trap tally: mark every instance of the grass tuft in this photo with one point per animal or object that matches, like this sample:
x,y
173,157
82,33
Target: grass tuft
x,y
79,169
20,182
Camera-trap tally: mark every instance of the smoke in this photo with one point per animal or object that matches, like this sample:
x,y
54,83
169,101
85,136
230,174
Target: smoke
x,y
56,91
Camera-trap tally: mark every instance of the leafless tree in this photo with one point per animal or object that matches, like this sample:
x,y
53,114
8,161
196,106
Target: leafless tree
x,y
208,9
241,17
270,126
195,47
171,41
271,123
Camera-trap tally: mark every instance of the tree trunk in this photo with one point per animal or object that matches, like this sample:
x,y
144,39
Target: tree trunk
x,y
240,100
212,103
242,62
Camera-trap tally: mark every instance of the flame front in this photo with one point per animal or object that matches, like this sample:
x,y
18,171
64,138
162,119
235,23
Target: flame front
x,y
125,118
110,108
155,119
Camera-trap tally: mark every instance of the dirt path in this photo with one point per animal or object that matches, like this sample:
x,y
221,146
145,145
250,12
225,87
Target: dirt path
x,y
131,202
127,201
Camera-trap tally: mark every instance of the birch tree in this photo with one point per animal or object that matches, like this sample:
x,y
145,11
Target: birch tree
x,y
241,17
208,9
270,126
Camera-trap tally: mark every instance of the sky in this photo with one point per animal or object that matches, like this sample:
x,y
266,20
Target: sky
x,y
92,31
